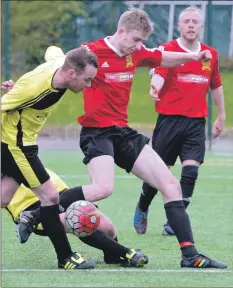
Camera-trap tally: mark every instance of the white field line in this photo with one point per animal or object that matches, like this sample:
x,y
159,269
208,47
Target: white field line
x,y
84,176
122,270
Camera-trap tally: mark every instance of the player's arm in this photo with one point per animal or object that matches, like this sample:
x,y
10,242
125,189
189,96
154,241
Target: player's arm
x,y
172,59
156,84
218,98
18,96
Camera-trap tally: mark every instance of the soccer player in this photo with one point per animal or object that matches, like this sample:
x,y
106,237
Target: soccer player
x,y
180,99
105,238
26,107
106,138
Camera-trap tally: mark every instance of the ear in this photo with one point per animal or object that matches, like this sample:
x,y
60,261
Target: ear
x,y
178,27
71,73
121,31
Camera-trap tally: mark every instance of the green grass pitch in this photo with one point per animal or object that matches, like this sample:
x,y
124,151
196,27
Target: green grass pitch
x,y
34,263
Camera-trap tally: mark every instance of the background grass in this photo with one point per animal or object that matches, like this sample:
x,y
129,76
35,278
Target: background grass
x,y
141,108
210,213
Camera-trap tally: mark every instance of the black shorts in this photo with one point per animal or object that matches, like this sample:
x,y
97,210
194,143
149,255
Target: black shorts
x,y
24,165
179,136
124,144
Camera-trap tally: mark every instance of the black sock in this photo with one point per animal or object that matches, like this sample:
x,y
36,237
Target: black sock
x,y
188,179
102,242
180,224
66,199
70,196
147,195
49,216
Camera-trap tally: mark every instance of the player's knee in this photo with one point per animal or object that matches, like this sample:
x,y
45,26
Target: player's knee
x,y
105,190
172,190
188,179
50,199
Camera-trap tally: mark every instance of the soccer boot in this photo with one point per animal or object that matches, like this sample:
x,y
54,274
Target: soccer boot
x,y
135,259
140,220
167,230
25,226
201,261
110,258
76,261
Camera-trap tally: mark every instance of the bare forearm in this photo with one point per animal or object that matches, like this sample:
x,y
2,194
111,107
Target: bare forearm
x,y
172,59
218,98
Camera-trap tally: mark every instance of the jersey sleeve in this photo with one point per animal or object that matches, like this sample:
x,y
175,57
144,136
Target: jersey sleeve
x,y
53,53
19,96
215,77
162,71
148,57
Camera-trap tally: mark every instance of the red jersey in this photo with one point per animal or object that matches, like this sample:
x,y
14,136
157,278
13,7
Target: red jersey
x,y
106,101
185,87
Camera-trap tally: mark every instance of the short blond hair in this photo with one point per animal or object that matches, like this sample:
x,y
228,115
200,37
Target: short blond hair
x,y
136,19
192,9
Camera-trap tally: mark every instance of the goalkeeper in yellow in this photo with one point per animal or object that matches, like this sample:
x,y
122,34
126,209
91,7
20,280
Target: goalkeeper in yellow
x,y
26,204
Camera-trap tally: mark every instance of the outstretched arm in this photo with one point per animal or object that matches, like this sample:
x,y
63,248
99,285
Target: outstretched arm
x,y
172,59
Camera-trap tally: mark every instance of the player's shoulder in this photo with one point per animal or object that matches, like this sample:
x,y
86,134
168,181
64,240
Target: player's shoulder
x,y
210,48
168,46
95,45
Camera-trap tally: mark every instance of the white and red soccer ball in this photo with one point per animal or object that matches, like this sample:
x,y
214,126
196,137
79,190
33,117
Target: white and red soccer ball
x,y
82,218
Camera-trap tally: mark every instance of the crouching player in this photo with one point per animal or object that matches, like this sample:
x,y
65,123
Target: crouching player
x,y
25,212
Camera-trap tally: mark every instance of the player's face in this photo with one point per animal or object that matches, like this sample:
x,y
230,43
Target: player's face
x,y
132,41
190,25
81,80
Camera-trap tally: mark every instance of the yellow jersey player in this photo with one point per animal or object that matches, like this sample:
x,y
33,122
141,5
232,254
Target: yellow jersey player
x,y
26,107
26,203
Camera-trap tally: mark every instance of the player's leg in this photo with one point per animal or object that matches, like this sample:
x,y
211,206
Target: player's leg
x,y
159,176
105,239
8,188
192,156
67,197
166,143
98,148
30,171
8,183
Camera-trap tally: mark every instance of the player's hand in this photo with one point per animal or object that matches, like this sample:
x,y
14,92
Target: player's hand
x,y
7,85
204,55
154,93
218,126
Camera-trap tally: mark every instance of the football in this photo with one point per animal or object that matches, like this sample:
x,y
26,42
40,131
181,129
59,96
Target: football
x,y
82,218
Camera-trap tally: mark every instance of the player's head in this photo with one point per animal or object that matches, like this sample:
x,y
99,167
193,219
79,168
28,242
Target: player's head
x,y
80,68
134,27
190,23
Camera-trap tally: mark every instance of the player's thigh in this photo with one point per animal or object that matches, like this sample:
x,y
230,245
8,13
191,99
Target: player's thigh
x,y
8,188
25,166
106,226
47,193
98,149
193,147
96,142
151,169
166,138
129,147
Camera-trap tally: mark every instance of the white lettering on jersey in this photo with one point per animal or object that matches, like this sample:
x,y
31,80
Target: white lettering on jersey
x,y
105,64
119,77
190,78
